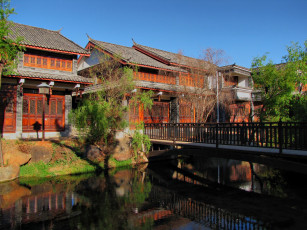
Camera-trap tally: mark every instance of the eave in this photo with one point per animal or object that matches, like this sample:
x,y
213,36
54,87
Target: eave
x,y
48,79
54,50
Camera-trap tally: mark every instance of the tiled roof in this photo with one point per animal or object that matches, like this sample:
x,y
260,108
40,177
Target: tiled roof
x,y
43,38
234,66
176,58
132,56
49,76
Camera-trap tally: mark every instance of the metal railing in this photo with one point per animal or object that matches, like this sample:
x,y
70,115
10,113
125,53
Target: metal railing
x,y
280,135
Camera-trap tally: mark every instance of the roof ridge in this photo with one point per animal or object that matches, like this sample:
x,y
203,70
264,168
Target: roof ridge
x,y
59,32
35,27
167,52
111,43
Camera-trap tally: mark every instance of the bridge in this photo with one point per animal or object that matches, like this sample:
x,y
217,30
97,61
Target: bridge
x,y
265,137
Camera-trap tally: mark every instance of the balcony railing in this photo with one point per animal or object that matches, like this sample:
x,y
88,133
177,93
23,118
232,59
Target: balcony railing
x,y
155,78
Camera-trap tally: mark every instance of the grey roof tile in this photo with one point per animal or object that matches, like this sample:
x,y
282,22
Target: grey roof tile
x,y
39,37
175,58
49,76
132,56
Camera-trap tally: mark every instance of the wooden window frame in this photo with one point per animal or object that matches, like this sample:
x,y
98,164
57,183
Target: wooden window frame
x,y
51,63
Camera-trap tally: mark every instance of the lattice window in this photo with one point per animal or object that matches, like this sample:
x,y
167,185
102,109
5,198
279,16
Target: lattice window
x,y
47,107
47,62
38,61
26,59
10,106
60,107
53,108
39,106
32,107
25,107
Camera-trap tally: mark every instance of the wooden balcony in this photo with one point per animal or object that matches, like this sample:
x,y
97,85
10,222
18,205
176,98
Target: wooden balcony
x,y
155,78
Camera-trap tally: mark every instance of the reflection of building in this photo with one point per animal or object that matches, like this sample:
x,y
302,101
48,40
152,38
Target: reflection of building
x,y
51,58
39,208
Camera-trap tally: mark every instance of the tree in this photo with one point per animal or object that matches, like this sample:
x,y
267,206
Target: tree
x,y
201,87
277,84
103,112
9,48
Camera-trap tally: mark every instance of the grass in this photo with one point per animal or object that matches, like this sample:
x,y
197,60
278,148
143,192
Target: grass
x,y
121,163
66,160
61,167
67,166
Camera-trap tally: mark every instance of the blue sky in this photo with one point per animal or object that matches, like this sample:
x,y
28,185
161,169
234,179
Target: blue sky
x,y
244,29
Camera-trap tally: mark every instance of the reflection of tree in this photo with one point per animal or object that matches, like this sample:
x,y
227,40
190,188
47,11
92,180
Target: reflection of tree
x,y
140,190
271,181
107,210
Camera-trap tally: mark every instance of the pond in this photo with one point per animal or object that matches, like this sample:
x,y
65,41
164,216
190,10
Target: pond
x,y
188,193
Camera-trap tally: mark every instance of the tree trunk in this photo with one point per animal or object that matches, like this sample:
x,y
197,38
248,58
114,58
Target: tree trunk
x,y
1,154
1,68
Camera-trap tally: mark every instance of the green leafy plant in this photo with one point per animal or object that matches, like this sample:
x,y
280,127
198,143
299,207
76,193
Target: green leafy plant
x,y
104,112
140,142
9,47
279,84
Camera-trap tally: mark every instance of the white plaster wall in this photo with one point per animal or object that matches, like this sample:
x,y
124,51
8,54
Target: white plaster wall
x,y
94,59
243,82
243,95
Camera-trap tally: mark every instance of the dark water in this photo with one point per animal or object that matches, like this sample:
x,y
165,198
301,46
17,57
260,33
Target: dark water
x,y
190,193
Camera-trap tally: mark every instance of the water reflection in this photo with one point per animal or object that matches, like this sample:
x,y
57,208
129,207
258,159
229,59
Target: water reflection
x,y
247,176
208,193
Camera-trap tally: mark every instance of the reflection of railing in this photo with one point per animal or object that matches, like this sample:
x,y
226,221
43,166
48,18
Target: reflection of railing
x,y
205,214
281,135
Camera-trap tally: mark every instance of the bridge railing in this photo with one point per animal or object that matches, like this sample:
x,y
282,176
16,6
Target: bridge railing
x,y
280,135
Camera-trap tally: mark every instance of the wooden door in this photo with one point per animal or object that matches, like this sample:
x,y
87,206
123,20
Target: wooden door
x,y
8,109
33,108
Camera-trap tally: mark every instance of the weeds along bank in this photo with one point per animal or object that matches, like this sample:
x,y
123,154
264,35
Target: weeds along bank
x,y
64,157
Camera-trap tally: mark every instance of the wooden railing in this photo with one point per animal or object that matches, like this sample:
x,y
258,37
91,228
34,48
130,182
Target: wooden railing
x,y
155,78
280,135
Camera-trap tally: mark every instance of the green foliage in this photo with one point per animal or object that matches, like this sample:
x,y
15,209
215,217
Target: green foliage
x,y
97,119
144,98
104,112
298,108
277,83
8,48
140,142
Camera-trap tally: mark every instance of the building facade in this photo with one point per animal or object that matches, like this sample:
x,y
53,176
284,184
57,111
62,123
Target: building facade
x,y
171,77
49,58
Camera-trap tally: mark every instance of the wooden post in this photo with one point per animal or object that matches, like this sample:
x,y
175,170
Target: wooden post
x,y
217,135
280,136
43,119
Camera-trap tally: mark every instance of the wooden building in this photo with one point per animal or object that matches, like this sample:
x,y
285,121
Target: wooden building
x,y
169,76
49,58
